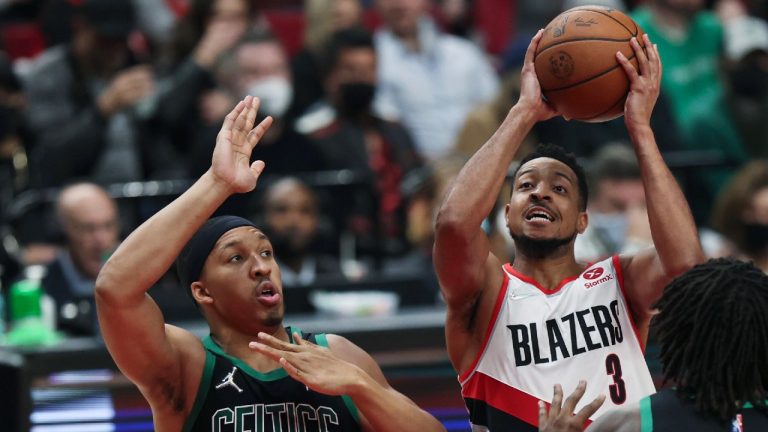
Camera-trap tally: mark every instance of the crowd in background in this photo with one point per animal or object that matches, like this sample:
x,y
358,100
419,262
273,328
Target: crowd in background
x,y
376,106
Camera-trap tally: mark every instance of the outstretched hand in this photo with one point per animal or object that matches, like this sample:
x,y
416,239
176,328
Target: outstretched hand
x,y
530,88
236,140
644,82
312,365
563,419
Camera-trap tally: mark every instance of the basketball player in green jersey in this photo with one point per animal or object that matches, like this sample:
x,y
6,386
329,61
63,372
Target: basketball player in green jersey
x,y
712,329
235,281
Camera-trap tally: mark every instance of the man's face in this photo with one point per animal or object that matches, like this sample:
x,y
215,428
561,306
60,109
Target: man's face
x,y
401,16
104,56
345,14
545,202
257,61
291,215
354,65
92,230
617,196
240,281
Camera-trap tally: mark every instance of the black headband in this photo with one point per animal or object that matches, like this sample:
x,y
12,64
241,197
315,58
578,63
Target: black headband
x,y
190,262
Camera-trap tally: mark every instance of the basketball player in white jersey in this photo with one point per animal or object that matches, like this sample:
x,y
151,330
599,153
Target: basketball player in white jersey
x,y
515,330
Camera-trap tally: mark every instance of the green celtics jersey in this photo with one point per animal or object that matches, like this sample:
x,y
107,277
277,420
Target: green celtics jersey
x,y
233,397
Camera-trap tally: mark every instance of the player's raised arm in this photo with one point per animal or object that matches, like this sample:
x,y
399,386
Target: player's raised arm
x,y
676,241
147,351
461,249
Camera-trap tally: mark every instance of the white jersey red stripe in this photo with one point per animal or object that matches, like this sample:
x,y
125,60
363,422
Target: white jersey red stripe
x,y
537,338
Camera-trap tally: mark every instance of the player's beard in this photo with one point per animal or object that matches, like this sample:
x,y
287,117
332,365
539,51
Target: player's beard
x,y
539,248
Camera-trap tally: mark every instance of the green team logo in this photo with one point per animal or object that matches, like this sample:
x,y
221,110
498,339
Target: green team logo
x,y
282,417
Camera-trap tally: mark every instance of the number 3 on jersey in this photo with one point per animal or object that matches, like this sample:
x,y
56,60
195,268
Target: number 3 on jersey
x,y
617,390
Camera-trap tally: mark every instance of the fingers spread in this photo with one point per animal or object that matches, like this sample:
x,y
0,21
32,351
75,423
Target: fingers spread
x,y
642,60
292,370
542,413
590,409
557,400
628,67
276,343
268,351
254,136
575,397
229,120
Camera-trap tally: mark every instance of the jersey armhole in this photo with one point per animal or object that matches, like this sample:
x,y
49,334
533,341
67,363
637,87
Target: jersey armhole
x,y
322,341
616,261
464,376
202,391
646,415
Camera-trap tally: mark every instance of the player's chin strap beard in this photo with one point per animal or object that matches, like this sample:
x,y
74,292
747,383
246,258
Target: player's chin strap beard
x,y
539,248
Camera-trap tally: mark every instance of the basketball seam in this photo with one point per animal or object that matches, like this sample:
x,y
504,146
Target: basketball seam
x,y
634,34
586,80
579,40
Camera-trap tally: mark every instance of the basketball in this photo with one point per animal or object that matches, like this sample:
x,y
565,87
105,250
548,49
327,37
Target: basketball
x,y
576,62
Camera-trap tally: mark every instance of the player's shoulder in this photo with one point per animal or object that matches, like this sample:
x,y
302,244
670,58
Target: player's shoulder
x,y
188,347
348,351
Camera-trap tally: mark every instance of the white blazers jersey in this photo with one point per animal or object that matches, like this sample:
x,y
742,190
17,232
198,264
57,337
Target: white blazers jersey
x,y
582,330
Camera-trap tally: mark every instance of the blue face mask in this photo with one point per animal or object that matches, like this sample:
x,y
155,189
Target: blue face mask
x,y
611,227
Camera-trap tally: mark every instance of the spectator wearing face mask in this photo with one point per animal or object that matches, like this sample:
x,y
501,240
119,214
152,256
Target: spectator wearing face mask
x,y
350,136
259,66
741,212
618,220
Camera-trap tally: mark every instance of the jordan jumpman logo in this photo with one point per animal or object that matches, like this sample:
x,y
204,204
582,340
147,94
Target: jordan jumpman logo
x,y
229,380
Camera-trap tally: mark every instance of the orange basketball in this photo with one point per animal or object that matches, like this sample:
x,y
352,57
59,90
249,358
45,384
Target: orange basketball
x,y
576,62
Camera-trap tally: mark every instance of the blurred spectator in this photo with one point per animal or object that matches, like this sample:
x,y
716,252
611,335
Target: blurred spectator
x,y
323,19
457,17
259,66
429,80
14,135
209,28
483,121
690,41
291,219
15,140
85,102
89,219
618,220
741,212
188,91
425,190
350,136
746,48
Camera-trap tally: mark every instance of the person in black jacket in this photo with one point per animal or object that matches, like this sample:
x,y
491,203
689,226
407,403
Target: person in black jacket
x,y
350,135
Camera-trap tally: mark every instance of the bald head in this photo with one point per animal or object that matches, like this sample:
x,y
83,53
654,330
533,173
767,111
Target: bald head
x,y
89,218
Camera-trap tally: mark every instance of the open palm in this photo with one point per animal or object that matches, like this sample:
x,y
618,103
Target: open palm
x,y
234,144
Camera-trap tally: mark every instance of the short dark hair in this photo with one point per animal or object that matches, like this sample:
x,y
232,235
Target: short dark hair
x,y
350,38
712,331
558,153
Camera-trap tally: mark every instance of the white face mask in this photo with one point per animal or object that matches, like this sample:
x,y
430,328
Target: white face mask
x,y
612,226
275,93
